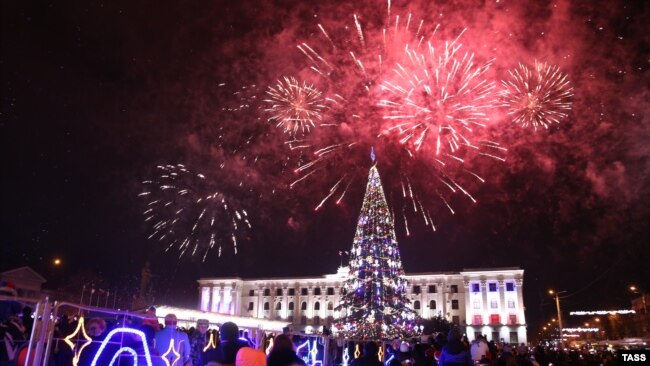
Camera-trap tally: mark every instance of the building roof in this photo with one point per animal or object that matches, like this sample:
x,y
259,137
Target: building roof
x,y
24,273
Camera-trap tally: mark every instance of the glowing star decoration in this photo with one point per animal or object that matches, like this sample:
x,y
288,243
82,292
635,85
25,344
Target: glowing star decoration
x,y
537,97
380,353
268,349
357,351
134,333
68,340
171,356
346,356
211,343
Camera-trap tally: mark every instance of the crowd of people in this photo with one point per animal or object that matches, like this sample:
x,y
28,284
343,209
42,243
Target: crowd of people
x,y
230,346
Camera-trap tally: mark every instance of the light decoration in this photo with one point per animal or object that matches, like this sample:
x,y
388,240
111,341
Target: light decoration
x,y
214,318
314,353
299,348
389,360
580,330
357,351
119,352
171,354
380,353
270,347
346,356
374,297
212,343
68,340
603,312
134,332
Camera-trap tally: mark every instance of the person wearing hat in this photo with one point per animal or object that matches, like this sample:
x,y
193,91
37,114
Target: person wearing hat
x,y
199,339
226,352
164,338
150,319
454,352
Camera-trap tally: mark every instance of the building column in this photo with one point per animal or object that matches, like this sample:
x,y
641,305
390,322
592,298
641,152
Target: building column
x,y
469,318
485,306
519,287
236,301
214,304
501,286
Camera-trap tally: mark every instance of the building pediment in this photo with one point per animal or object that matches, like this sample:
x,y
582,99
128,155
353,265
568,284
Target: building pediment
x,y
22,275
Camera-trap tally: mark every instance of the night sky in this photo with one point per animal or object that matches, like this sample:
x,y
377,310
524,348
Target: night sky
x,y
95,95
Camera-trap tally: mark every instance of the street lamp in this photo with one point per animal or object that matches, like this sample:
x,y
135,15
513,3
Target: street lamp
x,y
559,312
635,290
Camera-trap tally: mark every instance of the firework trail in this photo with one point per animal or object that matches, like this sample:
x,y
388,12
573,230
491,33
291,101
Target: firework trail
x,y
537,97
294,107
414,96
188,214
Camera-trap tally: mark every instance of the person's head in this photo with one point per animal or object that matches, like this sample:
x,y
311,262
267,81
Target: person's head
x,y
96,327
229,331
370,349
250,357
454,335
170,320
202,325
282,342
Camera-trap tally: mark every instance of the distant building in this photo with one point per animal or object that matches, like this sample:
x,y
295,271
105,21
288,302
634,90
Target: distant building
x,y
28,283
482,301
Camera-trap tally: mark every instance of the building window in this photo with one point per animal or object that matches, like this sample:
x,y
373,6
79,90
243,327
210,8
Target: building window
x,y
478,320
492,287
432,289
292,292
432,304
303,306
317,291
510,286
417,289
266,306
317,320
330,306
330,320
290,318
317,305
514,339
511,304
477,304
278,306
291,305
330,290
493,304
455,319
303,291
303,320
416,305
278,292
512,319
454,304
251,292
454,288
476,287
251,305
267,292
495,319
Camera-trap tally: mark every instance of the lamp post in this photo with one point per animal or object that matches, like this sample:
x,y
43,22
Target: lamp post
x,y
635,290
559,312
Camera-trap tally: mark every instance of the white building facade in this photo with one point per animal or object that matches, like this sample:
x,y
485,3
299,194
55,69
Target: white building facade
x,y
483,301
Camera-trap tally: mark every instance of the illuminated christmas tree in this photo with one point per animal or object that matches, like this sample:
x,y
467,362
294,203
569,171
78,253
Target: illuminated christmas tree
x,y
374,303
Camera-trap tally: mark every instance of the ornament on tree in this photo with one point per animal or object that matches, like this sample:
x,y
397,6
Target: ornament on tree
x,y
377,275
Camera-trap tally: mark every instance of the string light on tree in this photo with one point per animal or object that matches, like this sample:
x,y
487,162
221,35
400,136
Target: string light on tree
x,y
374,295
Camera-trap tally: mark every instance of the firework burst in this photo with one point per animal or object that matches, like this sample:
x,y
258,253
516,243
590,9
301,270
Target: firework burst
x,y
537,97
188,214
417,99
294,107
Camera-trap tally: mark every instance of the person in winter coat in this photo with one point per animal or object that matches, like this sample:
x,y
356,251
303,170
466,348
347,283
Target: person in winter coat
x,y
282,353
226,351
454,353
